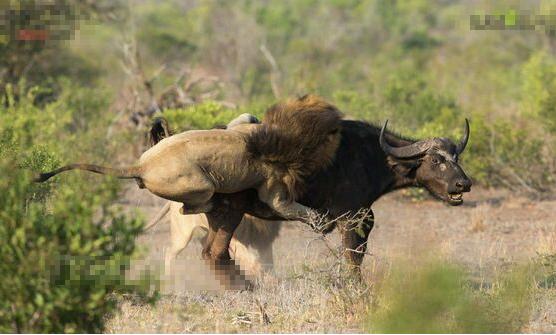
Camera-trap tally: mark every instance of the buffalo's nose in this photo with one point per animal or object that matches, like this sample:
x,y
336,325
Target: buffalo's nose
x,y
463,185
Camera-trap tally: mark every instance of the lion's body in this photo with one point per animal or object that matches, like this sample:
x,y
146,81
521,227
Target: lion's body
x,y
208,161
296,139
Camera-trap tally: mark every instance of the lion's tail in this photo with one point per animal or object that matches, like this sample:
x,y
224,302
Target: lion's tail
x,y
133,172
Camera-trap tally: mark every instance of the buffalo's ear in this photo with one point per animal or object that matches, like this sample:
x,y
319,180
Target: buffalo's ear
x,y
159,130
404,167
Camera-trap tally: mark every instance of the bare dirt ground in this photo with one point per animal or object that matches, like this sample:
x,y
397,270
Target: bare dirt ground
x,y
303,294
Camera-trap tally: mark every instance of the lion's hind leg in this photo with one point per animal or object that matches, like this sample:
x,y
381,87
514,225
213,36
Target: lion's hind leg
x,y
197,196
188,185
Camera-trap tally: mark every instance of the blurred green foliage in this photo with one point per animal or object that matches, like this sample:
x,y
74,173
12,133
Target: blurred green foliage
x,y
539,89
65,247
414,62
546,276
207,115
439,298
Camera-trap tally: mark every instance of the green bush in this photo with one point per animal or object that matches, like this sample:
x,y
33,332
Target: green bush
x,y
546,277
61,262
411,99
207,115
64,247
438,298
539,89
357,105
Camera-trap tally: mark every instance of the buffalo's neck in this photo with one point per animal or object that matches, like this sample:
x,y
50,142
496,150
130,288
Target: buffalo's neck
x,y
360,173
400,182
391,181
397,181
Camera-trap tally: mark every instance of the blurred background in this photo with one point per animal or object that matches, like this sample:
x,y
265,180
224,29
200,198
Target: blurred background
x,y
81,80
418,63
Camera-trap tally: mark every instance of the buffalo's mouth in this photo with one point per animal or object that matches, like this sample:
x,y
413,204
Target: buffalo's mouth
x,y
455,199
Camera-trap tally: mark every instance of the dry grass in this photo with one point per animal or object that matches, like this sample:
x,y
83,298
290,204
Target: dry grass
x,y
307,293
305,300
479,218
547,242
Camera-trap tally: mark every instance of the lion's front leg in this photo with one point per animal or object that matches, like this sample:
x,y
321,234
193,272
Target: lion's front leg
x,y
276,197
292,210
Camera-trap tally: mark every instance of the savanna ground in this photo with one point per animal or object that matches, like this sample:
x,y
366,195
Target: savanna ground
x,y
491,231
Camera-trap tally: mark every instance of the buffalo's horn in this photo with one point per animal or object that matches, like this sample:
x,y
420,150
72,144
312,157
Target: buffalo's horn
x,y
408,151
463,141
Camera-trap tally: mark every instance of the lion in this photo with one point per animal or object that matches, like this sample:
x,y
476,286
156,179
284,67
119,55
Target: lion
x,y
296,139
252,242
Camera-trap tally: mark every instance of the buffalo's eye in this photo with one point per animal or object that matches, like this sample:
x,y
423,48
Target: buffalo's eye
x,y
435,160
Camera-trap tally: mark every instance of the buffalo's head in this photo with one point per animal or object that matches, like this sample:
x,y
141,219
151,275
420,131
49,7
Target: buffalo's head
x,y
433,164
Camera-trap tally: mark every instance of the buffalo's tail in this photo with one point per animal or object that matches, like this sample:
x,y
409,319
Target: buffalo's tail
x,y
158,216
133,172
159,130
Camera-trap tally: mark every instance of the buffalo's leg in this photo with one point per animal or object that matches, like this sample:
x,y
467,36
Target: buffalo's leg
x,y
354,239
228,273
212,229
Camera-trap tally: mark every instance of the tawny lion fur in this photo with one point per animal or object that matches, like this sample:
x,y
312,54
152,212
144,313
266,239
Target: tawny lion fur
x,y
309,124
297,138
